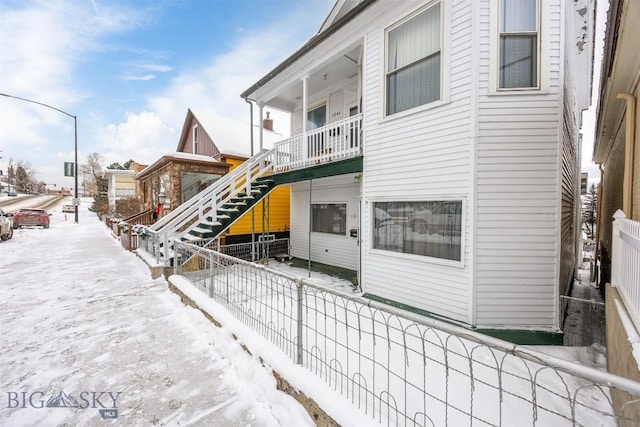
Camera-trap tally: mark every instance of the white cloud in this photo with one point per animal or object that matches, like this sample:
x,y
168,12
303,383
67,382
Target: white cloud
x,y
140,78
141,137
43,42
42,65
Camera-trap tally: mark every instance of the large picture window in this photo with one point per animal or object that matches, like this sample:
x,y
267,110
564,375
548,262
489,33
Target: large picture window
x,y
329,218
432,228
413,61
518,44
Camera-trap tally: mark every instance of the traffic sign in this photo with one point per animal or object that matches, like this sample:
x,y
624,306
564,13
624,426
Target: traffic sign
x,y
69,169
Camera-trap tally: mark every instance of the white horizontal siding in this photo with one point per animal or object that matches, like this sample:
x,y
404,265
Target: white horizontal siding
x,y
422,156
517,194
331,249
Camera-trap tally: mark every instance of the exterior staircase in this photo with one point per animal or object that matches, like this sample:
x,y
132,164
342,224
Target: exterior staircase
x,y
209,213
209,228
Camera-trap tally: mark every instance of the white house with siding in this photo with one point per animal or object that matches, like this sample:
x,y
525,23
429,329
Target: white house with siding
x,y
436,151
120,184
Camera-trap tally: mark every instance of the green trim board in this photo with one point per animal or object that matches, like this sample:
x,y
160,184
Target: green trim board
x,y
341,167
516,336
331,270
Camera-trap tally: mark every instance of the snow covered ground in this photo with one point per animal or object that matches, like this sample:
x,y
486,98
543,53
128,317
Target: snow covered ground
x,y
86,330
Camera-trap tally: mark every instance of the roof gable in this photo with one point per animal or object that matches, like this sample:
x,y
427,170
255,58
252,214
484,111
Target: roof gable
x,y
228,136
340,9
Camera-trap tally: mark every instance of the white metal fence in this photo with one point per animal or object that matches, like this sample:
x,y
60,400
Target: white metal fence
x,y
625,264
404,369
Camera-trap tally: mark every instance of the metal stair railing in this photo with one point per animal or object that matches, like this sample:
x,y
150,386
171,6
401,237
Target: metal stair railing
x,y
206,203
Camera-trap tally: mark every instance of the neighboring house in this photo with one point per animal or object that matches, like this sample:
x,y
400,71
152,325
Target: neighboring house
x,y
120,184
209,147
436,151
617,150
175,178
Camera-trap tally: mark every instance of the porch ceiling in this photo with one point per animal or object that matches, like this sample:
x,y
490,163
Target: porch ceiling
x,y
338,68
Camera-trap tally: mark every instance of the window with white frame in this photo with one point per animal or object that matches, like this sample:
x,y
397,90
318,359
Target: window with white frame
x,y
519,44
413,72
329,218
427,228
195,139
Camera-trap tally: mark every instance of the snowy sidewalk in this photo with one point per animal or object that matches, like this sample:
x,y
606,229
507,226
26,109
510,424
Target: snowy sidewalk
x,y
84,328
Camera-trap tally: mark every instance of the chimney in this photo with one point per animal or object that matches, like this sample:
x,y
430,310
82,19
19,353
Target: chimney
x,y
267,123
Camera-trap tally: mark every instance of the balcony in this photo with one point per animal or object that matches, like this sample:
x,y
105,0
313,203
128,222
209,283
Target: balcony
x,y
336,141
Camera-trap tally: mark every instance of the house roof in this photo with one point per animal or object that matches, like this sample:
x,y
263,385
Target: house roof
x,y
123,172
339,9
180,157
339,16
228,135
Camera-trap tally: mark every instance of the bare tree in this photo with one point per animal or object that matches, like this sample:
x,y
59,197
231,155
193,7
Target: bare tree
x,y
590,205
92,172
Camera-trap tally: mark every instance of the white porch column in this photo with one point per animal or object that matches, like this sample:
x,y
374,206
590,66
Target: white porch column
x,y
305,148
260,108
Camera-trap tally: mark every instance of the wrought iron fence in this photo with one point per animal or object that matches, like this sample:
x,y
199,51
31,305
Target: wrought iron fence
x,y
404,369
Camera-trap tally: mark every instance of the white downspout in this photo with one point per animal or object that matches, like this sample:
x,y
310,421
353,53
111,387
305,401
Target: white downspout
x,y
629,137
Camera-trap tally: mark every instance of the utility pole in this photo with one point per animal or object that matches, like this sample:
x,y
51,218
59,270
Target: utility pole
x,y
75,126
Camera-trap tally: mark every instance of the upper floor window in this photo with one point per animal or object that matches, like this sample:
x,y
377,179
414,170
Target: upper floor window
x,y
413,72
518,44
195,139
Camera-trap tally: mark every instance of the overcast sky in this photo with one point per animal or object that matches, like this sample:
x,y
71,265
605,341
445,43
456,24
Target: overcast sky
x,y
130,69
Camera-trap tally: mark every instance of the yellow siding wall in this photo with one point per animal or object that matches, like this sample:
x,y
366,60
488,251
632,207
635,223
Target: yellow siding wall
x,y
278,210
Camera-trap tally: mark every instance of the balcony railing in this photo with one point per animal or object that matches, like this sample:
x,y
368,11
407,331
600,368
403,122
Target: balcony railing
x,y
335,141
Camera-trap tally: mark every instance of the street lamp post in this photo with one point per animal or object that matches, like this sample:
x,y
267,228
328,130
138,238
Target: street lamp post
x,y
75,126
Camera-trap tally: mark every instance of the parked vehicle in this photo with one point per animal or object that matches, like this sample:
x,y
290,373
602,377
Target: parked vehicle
x,y
68,208
6,226
31,216
12,193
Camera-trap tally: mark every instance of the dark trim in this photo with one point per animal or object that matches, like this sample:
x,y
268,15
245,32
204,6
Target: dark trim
x,y
312,43
516,336
525,337
353,165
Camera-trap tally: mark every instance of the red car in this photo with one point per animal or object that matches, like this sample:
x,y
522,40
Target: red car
x,y
32,217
